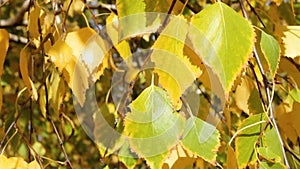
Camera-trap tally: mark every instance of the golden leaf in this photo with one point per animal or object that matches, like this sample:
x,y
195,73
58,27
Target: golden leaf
x,y
80,59
4,43
17,163
242,94
24,72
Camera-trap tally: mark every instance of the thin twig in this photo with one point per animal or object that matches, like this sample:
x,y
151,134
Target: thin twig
x,y
258,84
38,157
132,83
255,13
268,93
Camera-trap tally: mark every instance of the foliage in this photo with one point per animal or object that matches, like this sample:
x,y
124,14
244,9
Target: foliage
x,y
149,84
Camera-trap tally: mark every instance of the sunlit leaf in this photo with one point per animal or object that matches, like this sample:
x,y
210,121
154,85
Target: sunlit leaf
x,y
270,48
132,19
153,122
80,59
179,158
24,56
267,165
4,43
201,138
112,24
272,142
291,40
246,154
175,71
224,40
295,94
17,163
34,16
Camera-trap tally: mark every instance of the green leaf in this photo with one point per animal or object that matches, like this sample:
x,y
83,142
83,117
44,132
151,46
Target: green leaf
x,y
131,16
126,156
268,154
270,49
272,143
295,94
247,138
201,138
175,71
266,165
152,122
224,41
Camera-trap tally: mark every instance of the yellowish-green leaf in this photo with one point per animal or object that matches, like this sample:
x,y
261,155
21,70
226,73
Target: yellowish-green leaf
x,y
272,142
132,17
267,154
176,73
201,138
24,56
271,50
112,24
247,138
266,165
4,43
291,40
295,94
224,40
153,122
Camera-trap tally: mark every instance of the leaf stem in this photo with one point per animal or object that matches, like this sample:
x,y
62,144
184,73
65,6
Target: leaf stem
x,y
268,93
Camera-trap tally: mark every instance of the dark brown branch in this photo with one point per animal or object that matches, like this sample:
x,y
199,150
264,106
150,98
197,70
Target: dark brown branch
x,y
17,20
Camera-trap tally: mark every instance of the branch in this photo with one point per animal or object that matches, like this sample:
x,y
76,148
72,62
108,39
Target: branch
x,y
18,18
268,92
18,39
110,7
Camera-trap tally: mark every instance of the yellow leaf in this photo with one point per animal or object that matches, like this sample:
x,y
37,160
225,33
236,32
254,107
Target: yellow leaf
x,y
61,55
288,121
291,40
176,72
24,72
178,155
17,163
34,16
231,158
80,59
76,7
112,24
4,43
34,165
242,94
